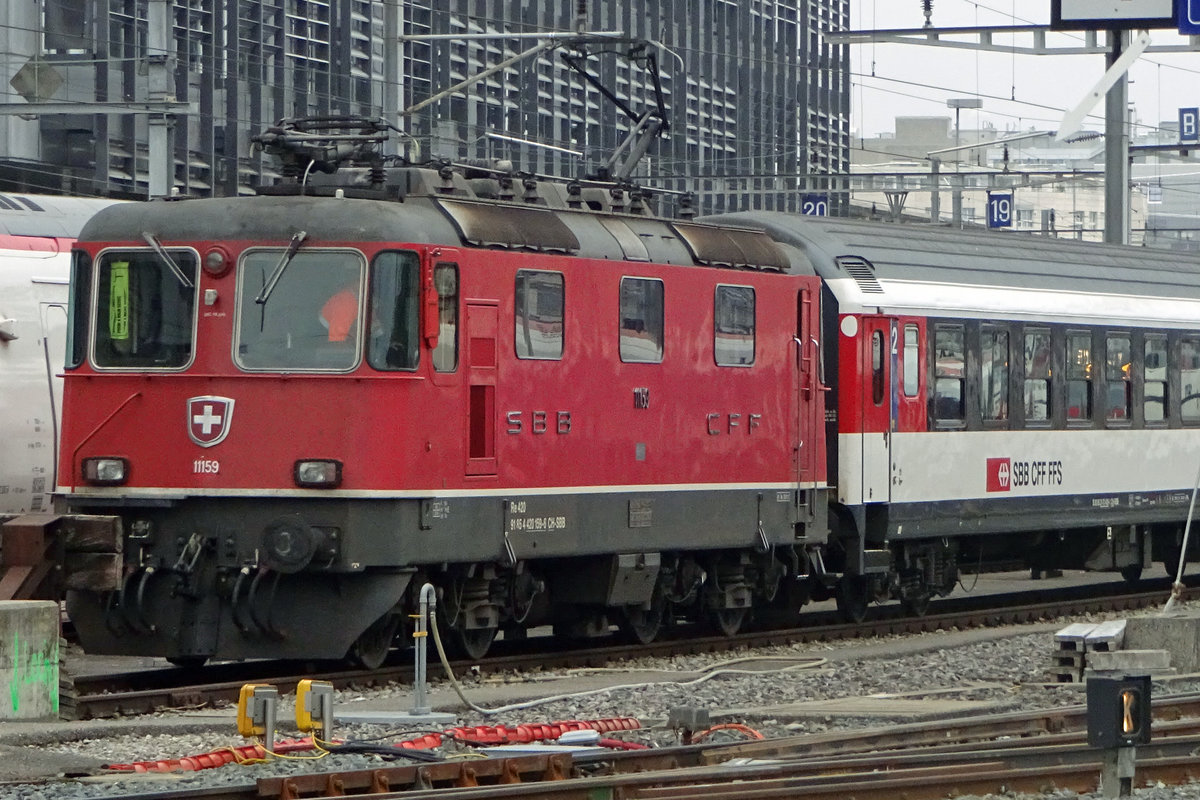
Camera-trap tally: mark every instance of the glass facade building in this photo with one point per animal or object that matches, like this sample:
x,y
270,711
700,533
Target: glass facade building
x,y
754,96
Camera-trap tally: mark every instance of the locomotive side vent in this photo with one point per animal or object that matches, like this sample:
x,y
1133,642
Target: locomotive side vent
x,y
863,273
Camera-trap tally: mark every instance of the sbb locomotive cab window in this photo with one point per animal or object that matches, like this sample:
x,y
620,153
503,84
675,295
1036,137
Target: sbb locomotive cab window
x,y
299,310
145,309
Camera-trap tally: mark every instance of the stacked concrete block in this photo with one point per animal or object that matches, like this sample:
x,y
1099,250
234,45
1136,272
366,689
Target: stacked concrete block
x,y
29,631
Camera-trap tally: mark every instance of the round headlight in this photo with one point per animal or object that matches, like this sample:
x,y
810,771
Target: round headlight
x,y
217,261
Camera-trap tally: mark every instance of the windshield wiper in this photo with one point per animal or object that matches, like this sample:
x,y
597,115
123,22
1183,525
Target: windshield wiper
x,y
162,253
297,239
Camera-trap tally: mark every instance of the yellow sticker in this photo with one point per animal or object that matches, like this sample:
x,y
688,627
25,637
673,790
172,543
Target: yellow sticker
x,y
118,300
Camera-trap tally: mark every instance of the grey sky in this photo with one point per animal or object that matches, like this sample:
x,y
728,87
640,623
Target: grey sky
x,y
917,80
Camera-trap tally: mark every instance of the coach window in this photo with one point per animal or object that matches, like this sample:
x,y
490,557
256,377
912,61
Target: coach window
x,y
1079,376
912,361
445,281
1037,375
641,320
993,394
1189,381
393,311
877,376
1119,387
733,326
949,360
539,303
1154,402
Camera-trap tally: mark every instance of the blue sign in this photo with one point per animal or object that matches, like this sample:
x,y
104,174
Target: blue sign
x,y
1000,210
1189,125
814,205
1187,15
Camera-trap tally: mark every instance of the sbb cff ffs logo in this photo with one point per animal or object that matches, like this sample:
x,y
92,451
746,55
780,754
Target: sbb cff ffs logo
x,y
999,475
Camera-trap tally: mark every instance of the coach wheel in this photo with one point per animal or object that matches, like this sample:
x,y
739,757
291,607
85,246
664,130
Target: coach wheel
x,y
853,597
1132,573
728,620
474,642
1170,562
371,648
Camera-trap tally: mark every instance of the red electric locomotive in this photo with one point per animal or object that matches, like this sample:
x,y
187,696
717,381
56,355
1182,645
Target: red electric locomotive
x,y
284,413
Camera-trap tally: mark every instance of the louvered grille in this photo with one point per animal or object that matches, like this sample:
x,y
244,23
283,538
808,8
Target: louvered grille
x,y
863,273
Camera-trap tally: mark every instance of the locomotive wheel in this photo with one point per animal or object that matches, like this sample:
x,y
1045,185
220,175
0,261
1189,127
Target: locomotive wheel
x,y
917,606
371,648
474,642
188,662
642,625
853,598
728,620
1132,573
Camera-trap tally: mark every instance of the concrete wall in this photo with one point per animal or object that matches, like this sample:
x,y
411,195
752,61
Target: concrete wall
x,y
28,659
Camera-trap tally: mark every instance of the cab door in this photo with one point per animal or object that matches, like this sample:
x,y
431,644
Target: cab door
x,y
879,405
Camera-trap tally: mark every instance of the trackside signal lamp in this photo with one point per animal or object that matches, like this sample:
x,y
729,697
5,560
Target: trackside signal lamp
x,y
1118,711
318,473
105,471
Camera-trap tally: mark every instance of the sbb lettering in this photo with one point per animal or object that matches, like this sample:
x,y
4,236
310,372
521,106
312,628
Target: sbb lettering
x,y
539,422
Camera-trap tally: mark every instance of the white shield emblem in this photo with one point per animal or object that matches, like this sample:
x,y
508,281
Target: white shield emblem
x,y
209,418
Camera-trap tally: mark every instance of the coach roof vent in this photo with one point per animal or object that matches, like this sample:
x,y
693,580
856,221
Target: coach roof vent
x,y
863,273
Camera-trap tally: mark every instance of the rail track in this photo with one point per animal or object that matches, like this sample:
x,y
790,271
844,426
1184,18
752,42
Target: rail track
x,y
1033,751
145,691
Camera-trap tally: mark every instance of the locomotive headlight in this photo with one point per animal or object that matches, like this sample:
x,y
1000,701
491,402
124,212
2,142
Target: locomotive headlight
x,y
105,471
217,262
318,473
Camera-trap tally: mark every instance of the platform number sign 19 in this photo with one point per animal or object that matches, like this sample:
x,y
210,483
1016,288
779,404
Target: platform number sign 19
x,y
1000,210
814,205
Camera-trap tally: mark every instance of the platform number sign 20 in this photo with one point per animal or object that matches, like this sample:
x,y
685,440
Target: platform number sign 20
x,y
1000,210
814,205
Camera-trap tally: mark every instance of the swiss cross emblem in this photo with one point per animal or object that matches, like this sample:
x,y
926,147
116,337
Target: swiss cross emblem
x,y
208,419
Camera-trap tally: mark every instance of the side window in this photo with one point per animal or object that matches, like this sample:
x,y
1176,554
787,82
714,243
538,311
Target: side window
x,y
877,376
949,359
912,361
641,320
1037,375
1079,375
445,281
1189,380
1117,377
733,326
1154,403
77,316
539,302
393,320
993,394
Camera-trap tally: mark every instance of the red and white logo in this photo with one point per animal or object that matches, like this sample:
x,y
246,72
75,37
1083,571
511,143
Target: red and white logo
x,y
999,475
209,418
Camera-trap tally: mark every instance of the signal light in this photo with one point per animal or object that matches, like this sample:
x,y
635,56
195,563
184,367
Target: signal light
x,y
1118,711
105,471
318,473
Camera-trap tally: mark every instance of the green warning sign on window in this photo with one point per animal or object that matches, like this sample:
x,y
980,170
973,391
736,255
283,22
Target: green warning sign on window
x,y
118,300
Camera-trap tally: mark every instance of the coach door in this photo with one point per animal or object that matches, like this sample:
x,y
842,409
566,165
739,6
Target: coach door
x,y
879,402
481,381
